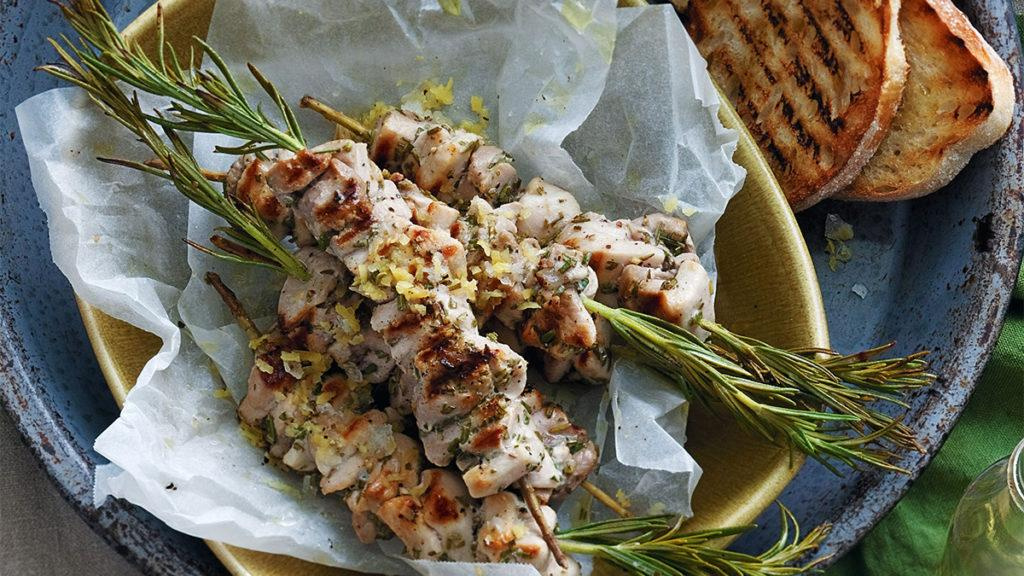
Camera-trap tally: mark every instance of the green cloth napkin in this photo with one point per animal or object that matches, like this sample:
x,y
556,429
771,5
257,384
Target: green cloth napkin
x,y
910,540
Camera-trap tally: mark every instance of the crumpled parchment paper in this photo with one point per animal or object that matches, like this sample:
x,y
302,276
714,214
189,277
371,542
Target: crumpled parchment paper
x,y
612,104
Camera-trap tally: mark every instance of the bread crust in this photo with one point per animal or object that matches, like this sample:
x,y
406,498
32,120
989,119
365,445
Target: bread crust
x,y
817,84
914,160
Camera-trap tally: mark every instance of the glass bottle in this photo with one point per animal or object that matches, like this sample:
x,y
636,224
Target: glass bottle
x,y
986,535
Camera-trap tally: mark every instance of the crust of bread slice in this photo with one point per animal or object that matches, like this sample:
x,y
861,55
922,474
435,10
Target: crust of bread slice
x,y
959,99
816,83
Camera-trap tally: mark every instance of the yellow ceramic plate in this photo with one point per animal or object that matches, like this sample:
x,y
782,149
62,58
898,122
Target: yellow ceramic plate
x,y
767,289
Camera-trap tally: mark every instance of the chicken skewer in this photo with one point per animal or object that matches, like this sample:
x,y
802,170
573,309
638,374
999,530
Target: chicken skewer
x,y
667,284
431,512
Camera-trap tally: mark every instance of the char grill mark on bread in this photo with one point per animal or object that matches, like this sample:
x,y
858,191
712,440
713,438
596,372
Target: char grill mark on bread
x,y
958,99
816,83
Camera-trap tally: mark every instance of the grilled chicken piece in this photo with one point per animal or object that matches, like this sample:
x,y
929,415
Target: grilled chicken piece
x,y
291,173
300,298
611,246
433,155
319,315
503,447
391,144
542,211
437,524
450,163
347,446
562,327
426,210
458,370
679,296
490,175
267,379
649,262
388,478
443,155
671,232
464,395
246,183
574,454
510,534
406,332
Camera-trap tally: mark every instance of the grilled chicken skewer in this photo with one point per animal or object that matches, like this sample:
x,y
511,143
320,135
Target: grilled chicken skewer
x,y
316,421
649,263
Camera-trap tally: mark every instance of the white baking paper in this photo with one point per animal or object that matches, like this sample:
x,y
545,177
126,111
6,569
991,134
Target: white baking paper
x,y
623,85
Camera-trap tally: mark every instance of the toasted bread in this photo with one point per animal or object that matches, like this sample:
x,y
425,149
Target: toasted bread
x,y
816,83
959,99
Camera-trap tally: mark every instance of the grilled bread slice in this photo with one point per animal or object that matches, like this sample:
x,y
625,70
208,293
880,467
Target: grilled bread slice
x,y
959,99
816,83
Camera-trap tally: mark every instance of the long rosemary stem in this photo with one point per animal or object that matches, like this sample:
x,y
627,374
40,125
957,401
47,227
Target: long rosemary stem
x,y
782,395
659,546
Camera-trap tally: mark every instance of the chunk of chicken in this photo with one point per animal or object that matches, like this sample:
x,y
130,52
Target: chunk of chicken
x,y
246,182
678,296
458,370
267,379
391,143
542,211
562,326
611,246
490,176
510,534
427,211
438,524
347,446
388,479
443,155
450,163
672,232
570,446
294,172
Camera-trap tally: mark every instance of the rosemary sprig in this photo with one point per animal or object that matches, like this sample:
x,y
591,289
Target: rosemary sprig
x,y
89,71
201,100
659,546
778,394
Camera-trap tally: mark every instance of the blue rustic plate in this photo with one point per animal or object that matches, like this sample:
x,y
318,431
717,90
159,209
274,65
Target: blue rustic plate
x,y
939,271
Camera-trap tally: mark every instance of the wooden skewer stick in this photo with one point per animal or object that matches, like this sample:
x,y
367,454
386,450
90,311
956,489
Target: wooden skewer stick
x,y
605,499
208,174
236,308
533,504
338,117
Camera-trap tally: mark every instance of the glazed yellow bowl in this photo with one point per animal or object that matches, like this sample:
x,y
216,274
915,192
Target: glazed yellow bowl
x,y
766,288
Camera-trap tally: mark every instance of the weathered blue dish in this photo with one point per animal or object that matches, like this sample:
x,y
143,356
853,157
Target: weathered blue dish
x,y
938,270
